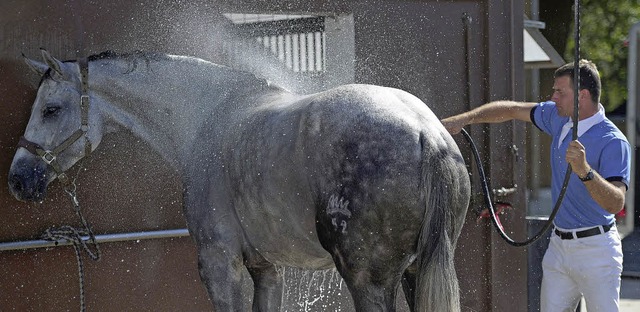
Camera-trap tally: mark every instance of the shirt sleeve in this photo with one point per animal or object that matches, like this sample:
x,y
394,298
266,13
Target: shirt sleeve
x,y
542,116
615,162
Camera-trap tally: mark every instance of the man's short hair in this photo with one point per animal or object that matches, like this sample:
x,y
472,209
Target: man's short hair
x,y
589,78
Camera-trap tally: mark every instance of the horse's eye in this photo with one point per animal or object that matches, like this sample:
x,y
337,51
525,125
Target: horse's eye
x,y
50,111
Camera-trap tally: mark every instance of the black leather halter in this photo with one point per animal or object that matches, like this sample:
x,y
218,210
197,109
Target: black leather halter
x,y
50,156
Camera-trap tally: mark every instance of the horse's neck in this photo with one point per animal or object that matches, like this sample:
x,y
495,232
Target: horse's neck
x,y
167,105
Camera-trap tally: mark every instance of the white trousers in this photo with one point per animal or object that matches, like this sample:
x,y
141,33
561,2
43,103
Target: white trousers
x,y
588,267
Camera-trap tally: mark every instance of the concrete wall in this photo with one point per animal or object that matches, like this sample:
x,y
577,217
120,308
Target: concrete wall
x,y
424,47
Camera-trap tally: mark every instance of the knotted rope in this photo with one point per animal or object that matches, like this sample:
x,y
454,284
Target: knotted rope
x,y
79,238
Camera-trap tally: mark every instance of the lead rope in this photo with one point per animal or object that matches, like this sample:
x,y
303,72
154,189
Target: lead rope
x,y
76,237
574,133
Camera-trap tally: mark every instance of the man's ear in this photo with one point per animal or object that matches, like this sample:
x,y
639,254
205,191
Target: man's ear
x,y
584,94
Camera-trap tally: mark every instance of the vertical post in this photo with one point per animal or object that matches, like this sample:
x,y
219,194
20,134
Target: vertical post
x,y
633,211
534,185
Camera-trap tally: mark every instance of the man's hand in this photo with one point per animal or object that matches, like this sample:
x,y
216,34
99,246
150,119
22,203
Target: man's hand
x,y
609,195
576,157
454,124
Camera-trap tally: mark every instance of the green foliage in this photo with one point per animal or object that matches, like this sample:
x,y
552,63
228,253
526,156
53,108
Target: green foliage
x,y
604,28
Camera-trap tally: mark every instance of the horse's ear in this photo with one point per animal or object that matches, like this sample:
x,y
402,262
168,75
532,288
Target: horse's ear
x,y
53,63
36,66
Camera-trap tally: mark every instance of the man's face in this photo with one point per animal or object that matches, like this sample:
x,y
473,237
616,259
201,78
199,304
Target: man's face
x,y
563,95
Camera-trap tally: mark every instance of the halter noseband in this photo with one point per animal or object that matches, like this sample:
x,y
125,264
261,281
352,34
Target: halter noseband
x,y
49,156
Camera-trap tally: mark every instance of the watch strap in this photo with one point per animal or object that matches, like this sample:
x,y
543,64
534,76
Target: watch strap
x,y
588,176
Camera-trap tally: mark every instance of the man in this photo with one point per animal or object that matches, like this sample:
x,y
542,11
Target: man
x,y
584,257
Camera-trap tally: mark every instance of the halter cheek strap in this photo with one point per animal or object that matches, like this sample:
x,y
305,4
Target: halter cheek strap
x,y
49,156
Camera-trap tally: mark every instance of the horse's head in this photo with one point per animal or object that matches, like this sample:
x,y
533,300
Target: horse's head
x,y
61,129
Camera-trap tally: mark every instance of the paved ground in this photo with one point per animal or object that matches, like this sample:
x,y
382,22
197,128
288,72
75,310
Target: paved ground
x,y
631,253
630,289
630,295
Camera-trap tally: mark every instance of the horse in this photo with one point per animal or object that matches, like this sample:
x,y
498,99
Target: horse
x,y
360,178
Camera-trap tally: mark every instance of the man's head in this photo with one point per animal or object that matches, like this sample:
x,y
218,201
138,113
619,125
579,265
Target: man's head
x,y
589,78
590,88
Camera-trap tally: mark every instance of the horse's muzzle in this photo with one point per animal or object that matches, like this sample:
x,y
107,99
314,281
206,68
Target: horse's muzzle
x,y
28,179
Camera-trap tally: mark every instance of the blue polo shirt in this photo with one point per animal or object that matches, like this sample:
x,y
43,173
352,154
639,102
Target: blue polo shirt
x,y
608,153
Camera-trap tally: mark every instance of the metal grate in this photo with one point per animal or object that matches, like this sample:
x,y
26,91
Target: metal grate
x,y
298,41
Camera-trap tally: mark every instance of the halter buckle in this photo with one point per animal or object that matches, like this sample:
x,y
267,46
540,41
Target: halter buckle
x,y
84,101
48,157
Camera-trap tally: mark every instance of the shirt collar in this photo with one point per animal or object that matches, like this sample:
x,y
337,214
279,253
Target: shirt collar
x,y
583,125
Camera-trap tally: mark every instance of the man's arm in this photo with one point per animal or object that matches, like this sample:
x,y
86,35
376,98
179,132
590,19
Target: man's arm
x,y
494,112
609,195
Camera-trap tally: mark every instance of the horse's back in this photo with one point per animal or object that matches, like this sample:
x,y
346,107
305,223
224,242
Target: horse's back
x,y
378,120
361,105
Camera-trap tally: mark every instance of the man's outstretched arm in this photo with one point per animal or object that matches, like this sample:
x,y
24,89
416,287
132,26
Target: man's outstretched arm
x,y
493,112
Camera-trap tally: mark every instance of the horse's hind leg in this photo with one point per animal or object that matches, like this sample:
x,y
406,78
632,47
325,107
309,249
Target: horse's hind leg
x,y
409,286
371,249
371,269
370,290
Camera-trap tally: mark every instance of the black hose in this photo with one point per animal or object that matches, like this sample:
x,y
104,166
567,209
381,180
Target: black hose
x,y
489,203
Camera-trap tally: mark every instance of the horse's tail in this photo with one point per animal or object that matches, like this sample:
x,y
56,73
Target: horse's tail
x,y
444,194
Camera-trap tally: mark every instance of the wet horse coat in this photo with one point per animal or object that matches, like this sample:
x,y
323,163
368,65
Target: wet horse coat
x,y
360,177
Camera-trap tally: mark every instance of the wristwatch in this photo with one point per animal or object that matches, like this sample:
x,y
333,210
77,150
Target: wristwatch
x,y
588,176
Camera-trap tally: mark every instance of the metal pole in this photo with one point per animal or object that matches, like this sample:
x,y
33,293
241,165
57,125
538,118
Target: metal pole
x,y
535,97
104,238
633,211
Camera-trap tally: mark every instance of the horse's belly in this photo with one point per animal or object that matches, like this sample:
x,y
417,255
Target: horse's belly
x,y
298,255
285,235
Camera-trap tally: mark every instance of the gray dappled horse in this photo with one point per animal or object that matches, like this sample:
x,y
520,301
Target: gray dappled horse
x,y
360,177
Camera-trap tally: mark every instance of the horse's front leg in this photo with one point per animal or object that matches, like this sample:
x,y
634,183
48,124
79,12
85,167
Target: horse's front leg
x,y
221,272
221,265
219,240
267,287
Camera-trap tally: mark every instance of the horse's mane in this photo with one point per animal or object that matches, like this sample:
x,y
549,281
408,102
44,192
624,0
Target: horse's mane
x,y
146,56
137,54
133,57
